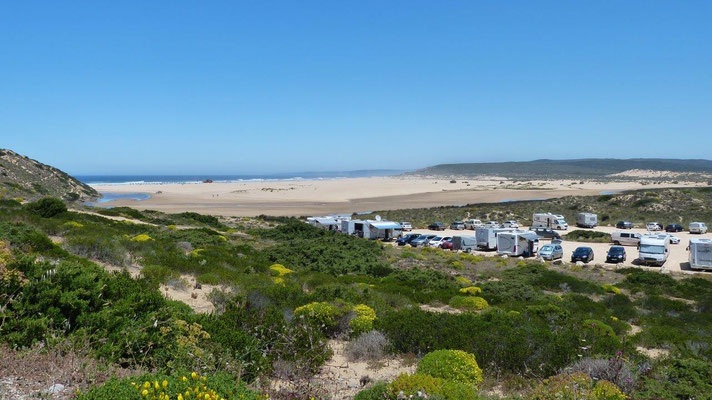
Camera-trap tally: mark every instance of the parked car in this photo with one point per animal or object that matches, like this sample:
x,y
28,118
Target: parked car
x,y
510,224
436,241
437,226
624,225
673,228
458,226
447,244
654,226
421,241
492,224
406,226
551,252
616,254
546,233
673,239
403,240
473,224
625,238
584,254
698,227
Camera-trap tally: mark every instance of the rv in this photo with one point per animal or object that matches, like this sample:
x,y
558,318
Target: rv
x,y
549,220
654,249
487,237
473,224
328,223
700,254
517,243
698,227
587,220
372,229
464,243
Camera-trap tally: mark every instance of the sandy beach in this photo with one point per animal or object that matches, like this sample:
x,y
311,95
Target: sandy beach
x,y
348,195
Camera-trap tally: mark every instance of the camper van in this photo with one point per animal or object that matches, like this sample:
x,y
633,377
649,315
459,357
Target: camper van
x,y
517,243
473,224
700,254
487,237
654,249
698,227
549,220
587,220
464,243
625,238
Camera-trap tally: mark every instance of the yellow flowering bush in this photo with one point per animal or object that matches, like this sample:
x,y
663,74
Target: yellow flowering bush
x,y
73,224
364,311
469,303
141,238
319,313
410,385
471,290
463,281
363,322
454,365
611,289
279,270
576,386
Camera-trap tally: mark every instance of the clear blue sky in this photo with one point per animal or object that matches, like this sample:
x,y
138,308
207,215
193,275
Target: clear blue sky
x,y
148,87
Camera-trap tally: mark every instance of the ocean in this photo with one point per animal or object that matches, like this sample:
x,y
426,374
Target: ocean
x,y
187,179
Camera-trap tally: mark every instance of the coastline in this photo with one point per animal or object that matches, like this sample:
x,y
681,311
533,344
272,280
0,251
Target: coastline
x,y
349,195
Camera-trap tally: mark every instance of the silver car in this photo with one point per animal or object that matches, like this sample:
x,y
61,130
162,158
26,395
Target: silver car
x,y
551,252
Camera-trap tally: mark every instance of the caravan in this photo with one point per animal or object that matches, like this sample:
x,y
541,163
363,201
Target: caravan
x,y
587,220
464,243
487,237
654,249
700,254
517,243
549,220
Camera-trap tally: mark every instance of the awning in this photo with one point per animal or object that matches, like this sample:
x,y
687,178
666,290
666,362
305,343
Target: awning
x,y
386,225
530,236
326,221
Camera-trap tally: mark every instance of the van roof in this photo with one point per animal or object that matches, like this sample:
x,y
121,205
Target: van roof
x,y
655,240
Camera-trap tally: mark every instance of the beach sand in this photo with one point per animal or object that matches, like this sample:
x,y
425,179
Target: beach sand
x,y
349,195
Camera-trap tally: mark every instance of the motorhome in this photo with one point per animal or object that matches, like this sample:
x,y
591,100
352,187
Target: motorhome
x,y
698,227
700,254
464,243
654,249
328,223
487,237
549,220
586,220
517,243
473,224
372,229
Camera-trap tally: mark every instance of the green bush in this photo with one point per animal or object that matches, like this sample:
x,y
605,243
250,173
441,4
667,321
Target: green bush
x,y
679,379
47,207
576,386
580,235
410,385
469,303
320,314
454,365
378,391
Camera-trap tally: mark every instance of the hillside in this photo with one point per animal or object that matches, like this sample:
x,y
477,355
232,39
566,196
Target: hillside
x,y
580,168
22,177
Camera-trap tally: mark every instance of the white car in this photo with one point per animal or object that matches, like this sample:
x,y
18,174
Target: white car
x,y
437,241
673,239
510,224
473,224
492,224
406,226
653,226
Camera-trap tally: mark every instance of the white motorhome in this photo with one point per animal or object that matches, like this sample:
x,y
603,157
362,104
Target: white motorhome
x,y
698,227
549,220
473,224
464,243
518,243
487,237
700,254
654,249
586,220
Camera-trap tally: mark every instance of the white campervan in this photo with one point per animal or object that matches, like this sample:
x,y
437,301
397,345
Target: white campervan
x,y
517,243
654,249
625,238
698,227
586,220
700,253
549,220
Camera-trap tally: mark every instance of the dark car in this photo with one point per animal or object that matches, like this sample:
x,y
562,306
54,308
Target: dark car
x,y
624,225
446,244
673,228
546,233
616,254
584,254
437,226
403,240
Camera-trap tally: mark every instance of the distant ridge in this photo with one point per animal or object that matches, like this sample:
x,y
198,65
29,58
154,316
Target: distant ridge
x,y
25,178
577,168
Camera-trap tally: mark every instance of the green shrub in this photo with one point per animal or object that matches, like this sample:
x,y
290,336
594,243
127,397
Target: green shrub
x,y
576,386
469,303
454,365
471,290
320,314
378,391
580,235
47,207
679,379
410,385
360,325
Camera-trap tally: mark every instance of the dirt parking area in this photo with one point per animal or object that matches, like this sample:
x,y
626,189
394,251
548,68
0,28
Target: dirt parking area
x,y
677,260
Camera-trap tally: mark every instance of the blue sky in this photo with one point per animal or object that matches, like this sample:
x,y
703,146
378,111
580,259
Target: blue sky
x,y
155,87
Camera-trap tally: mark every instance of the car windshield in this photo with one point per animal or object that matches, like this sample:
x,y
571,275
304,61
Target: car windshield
x,y
616,250
581,250
436,238
547,248
652,249
560,221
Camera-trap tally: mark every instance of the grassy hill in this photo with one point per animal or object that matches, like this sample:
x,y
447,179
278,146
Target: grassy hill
x,y
580,168
640,206
22,177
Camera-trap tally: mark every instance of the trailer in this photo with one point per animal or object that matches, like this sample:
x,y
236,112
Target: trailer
x,y
487,237
518,243
549,220
586,220
700,254
464,243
